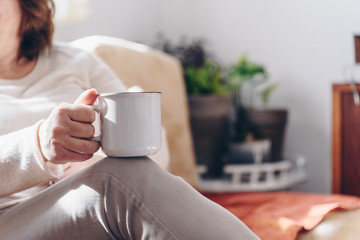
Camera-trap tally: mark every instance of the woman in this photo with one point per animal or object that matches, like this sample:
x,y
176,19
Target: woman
x,y
109,199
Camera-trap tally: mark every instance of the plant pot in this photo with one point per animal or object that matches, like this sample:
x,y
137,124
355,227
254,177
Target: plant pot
x,y
255,152
269,124
209,117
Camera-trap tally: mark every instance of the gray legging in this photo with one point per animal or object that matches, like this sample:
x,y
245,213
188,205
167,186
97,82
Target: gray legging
x,y
120,199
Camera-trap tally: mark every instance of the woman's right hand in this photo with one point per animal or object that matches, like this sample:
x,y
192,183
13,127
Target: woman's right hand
x,y
62,135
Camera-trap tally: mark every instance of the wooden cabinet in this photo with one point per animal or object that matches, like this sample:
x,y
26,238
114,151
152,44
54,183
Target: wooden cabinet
x,y
345,141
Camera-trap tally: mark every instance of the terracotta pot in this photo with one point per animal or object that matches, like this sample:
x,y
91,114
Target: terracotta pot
x,y
209,117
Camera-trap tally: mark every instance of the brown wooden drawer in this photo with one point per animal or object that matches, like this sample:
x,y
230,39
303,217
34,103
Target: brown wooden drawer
x,y
346,141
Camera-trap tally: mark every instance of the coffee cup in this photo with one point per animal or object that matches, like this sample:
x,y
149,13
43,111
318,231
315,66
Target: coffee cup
x,y
130,123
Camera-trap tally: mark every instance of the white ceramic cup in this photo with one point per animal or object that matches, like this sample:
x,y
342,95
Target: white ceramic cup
x,y
130,123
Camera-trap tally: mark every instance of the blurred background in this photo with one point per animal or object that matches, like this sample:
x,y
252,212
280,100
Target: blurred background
x,y
304,45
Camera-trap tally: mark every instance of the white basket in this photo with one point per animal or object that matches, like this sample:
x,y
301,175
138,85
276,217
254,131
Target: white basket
x,y
257,177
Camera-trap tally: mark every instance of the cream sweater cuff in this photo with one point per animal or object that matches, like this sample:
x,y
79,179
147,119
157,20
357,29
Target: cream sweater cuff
x,y
53,171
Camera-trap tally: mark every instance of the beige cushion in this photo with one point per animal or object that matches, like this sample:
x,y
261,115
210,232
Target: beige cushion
x,y
344,225
152,70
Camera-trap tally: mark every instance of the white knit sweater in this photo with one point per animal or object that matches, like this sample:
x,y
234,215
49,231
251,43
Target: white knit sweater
x,y
60,75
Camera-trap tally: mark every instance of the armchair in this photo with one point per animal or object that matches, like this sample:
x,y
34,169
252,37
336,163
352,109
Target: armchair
x,y
137,64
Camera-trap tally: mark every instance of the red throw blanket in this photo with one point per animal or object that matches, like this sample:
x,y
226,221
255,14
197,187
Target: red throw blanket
x,y
281,215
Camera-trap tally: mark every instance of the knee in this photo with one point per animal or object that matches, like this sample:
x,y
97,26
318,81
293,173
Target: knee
x,y
124,166
129,171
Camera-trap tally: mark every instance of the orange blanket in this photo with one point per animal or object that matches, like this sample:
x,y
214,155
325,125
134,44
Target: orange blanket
x,y
281,215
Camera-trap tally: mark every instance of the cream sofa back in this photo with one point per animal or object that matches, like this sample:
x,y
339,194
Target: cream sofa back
x,y
152,70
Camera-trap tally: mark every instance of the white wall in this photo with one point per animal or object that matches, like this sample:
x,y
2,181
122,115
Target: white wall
x,y
129,19
304,45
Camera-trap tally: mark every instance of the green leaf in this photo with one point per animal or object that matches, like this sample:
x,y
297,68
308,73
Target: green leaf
x,y
206,79
267,92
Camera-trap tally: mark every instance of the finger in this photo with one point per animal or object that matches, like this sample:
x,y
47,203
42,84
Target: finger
x,y
88,97
64,155
80,129
81,113
81,146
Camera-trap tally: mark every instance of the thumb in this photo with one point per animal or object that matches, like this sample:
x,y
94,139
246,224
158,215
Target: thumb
x,y
88,97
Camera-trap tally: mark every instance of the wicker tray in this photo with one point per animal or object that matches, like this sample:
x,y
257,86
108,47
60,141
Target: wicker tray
x,y
257,177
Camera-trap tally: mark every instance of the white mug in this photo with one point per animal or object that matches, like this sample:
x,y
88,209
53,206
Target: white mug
x,y
130,123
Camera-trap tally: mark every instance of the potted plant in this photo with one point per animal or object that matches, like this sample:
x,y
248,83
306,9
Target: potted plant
x,y
208,98
254,119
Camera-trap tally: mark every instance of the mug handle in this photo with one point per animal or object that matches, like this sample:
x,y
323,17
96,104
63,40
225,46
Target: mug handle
x,y
95,107
95,138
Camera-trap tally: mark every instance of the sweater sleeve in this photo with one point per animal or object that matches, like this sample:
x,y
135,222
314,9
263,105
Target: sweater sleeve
x,y
21,163
103,78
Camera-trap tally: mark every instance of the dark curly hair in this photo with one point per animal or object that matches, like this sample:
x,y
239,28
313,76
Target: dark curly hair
x,y
36,27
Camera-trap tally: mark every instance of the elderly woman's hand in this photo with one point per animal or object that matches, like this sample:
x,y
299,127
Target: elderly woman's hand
x,y
62,135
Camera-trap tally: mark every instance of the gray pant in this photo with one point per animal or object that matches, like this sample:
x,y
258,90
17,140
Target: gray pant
x,y
120,199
